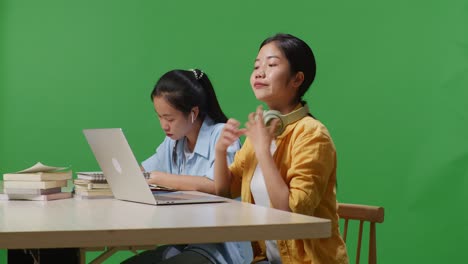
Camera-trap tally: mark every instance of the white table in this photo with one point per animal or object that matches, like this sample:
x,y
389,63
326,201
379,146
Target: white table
x,y
113,223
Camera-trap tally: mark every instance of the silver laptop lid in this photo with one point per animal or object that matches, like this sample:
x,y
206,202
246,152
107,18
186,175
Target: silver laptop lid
x,y
119,165
116,159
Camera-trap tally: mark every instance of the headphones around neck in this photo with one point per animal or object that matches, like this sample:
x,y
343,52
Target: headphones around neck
x,y
285,120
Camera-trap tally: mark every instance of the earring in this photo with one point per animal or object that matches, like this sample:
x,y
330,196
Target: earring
x,y
192,118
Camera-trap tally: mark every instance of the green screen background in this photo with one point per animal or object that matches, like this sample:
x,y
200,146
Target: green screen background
x,y
391,86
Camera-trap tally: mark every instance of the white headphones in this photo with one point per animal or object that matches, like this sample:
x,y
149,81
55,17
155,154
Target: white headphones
x,y
285,120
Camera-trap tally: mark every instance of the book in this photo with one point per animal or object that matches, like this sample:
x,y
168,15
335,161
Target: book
x,y
98,176
38,176
34,184
32,191
93,176
85,182
36,197
85,197
91,185
39,172
94,192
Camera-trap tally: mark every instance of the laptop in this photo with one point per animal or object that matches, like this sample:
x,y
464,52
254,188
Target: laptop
x,y
123,173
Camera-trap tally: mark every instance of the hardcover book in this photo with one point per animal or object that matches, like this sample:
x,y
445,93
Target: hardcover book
x,y
33,184
36,197
32,191
94,192
85,197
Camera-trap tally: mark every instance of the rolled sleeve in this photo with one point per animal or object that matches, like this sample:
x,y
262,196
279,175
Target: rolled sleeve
x,y
237,168
313,163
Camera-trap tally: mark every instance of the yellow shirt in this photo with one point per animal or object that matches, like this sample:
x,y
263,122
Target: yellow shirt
x,y
306,159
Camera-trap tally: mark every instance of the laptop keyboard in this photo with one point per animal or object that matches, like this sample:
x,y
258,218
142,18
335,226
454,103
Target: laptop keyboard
x,y
167,198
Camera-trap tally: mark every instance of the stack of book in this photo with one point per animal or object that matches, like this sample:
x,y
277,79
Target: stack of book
x,y
39,182
91,185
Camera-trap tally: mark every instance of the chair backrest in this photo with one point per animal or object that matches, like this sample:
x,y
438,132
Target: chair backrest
x,y
362,213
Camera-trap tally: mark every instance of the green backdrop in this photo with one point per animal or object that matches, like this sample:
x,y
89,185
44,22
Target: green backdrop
x,y
391,86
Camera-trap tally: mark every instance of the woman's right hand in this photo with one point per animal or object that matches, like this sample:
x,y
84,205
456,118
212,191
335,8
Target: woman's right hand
x,y
230,133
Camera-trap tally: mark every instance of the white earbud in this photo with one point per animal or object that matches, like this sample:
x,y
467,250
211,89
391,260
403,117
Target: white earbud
x,y
192,118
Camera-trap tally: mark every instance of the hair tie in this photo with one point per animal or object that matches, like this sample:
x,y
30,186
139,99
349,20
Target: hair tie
x,y
197,76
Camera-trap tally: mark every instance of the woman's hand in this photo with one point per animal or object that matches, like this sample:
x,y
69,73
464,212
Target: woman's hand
x,y
230,133
260,135
222,175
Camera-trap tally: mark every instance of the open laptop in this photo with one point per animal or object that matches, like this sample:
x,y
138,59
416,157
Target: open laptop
x,y
123,173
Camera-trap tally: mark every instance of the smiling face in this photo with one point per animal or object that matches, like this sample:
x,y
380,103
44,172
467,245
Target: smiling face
x,y
271,79
174,122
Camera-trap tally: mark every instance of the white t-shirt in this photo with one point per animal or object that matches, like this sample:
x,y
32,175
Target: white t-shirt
x,y
260,195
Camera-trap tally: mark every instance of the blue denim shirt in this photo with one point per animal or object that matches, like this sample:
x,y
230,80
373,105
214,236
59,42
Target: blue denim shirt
x,y
169,158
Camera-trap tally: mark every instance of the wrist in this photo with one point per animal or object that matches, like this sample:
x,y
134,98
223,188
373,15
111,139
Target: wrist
x,y
220,151
263,154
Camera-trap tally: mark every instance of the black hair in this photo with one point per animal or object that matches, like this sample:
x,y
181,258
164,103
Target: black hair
x,y
300,58
185,89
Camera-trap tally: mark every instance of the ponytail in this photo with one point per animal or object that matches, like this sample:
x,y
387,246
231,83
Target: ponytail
x,y
213,109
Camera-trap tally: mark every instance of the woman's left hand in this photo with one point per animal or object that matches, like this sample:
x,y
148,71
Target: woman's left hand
x,y
260,135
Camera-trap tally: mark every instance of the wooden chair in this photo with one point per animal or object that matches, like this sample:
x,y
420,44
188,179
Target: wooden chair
x,y
363,213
